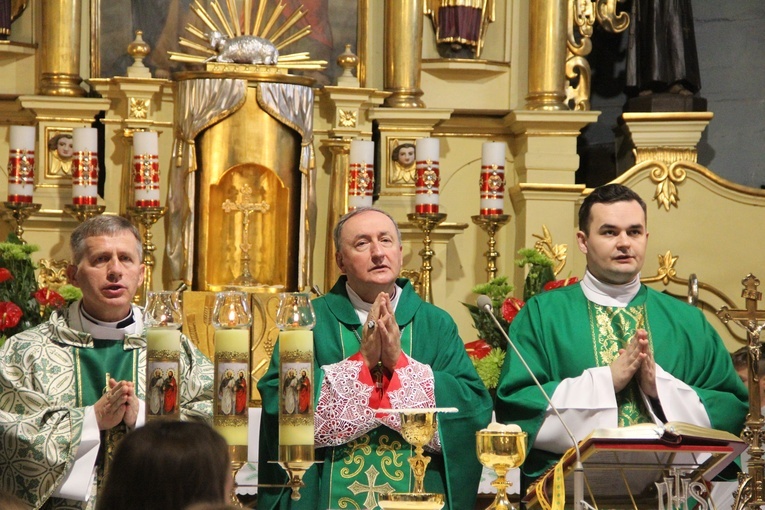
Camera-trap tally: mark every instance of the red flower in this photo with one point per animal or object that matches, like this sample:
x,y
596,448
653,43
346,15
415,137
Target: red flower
x,y
10,315
47,297
477,349
510,308
5,275
554,284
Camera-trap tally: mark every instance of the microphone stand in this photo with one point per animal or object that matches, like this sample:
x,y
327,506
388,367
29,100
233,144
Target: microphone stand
x,y
579,503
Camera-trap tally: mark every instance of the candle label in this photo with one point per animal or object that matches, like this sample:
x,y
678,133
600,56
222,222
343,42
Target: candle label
x,y
427,181
162,391
146,180
361,183
232,398
21,175
85,174
492,189
296,388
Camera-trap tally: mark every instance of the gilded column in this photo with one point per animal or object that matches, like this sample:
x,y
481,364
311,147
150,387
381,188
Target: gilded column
x,y
403,53
60,41
547,55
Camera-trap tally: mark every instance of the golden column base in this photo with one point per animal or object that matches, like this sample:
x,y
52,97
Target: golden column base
x,y
20,211
146,217
296,460
426,222
491,223
84,212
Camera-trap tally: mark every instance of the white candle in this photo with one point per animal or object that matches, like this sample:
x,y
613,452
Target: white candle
x,y
492,178
145,169
296,344
361,174
163,339
427,179
21,164
85,166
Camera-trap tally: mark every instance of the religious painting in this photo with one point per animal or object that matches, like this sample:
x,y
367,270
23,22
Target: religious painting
x,y
232,397
401,162
296,388
162,389
115,22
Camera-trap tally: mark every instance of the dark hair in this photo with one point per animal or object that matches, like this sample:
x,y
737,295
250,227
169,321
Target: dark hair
x,y
167,465
608,194
338,231
397,149
53,142
10,502
102,225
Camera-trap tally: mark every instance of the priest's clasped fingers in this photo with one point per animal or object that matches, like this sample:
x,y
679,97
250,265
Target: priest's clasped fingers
x,y
647,375
630,360
118,404
390,335
370,347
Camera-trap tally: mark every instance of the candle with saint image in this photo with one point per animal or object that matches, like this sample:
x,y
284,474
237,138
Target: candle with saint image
x,y
145,169
163,354
232,349
427,178
21,164
493,178
296,432
85,166
361,174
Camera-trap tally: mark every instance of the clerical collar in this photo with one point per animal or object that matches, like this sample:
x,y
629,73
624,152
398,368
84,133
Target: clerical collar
x,y
607,294
362,307
107,330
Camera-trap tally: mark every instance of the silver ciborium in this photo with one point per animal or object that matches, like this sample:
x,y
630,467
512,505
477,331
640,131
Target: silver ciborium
x,y
418,426
501,449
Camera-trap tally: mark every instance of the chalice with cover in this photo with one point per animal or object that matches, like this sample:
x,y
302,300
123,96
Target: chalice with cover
x,y
501,448
418,426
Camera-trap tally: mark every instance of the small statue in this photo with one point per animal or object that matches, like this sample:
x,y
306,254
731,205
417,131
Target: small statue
x,y
243,49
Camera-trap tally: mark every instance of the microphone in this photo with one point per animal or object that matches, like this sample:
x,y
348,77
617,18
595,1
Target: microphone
x,y
484,303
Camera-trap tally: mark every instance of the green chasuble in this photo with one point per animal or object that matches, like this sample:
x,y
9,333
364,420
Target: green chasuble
x,y
561,334
353,474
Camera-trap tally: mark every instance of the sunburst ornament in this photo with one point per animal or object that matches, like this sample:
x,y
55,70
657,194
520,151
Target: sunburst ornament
x,y
239,40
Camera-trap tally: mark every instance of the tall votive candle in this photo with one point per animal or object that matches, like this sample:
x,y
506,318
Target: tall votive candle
x,y
85,166
492,178
427,175
145,169
21,164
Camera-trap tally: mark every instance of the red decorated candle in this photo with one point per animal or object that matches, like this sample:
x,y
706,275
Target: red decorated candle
x,y
145,169
493,178
427,177
85,166
21,164
361,174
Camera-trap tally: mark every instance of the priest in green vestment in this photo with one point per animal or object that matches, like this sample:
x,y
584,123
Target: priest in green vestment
x,y
610,351
72,386
378,346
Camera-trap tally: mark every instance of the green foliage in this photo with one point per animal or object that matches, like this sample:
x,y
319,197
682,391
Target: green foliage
x,y
489,367
497,289
15,257
540,273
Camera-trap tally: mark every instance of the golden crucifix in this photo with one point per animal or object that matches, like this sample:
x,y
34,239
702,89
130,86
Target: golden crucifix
x,y
246,206
750,487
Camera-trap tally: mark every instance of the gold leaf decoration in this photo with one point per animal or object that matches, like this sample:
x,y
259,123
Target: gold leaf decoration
x,y
555,252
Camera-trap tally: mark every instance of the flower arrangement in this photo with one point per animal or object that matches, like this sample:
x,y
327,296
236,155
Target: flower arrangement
x,y
22,303
488,352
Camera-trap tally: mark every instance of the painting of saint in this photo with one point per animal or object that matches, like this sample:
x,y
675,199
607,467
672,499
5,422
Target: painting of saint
x,y
290,392
226,398
304,393
240,389
170,389
156,392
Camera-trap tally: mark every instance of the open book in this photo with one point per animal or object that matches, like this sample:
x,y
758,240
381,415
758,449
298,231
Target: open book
x,y
621,465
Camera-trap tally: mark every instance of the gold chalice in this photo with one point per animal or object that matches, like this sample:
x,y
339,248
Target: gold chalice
x,y
501,450
418,426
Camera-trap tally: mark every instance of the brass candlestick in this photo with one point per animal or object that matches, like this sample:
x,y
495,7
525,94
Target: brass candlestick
x,y
491,223
82,212
146,217
20,211
426,222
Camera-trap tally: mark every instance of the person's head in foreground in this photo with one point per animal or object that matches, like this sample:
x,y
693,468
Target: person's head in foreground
x,y
168,465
